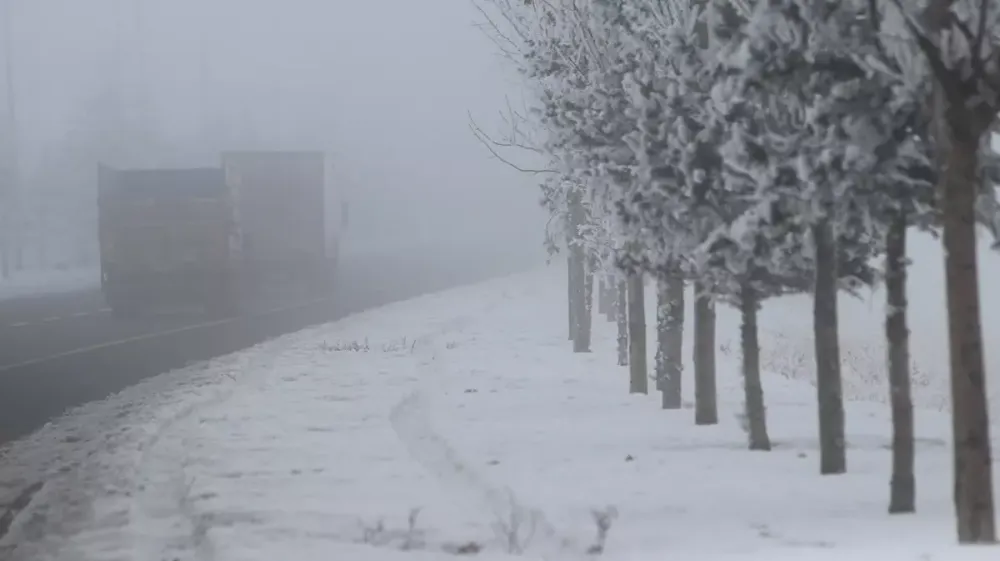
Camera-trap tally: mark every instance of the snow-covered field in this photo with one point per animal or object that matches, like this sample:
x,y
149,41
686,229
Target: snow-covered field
x,y
469,406
31,283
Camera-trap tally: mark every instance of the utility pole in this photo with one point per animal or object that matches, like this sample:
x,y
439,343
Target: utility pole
x,y
11,200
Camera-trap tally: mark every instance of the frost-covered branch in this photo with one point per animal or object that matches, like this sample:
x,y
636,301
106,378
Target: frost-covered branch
x,y
492,145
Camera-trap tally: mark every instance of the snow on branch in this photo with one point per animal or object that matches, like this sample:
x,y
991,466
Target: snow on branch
x,y
959,40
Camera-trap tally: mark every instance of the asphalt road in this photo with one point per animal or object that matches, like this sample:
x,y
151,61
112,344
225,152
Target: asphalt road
x,y
63,350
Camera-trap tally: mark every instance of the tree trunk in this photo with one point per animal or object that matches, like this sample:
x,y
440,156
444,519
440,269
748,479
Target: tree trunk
x,y
958,157
578,324
706,410
660,357
670,340
583,306
969,411
570,291
829,393
902,486
613,302
603,300
611,313
621,318
638,375
753,390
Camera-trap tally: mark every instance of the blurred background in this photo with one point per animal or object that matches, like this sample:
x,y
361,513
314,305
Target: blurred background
x,y
386,87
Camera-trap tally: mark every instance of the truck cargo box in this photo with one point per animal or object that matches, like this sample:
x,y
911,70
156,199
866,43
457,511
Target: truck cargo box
x,y
256,229
280,205
165,235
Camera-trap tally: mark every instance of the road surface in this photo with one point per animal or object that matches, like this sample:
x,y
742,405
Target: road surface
x,y
63,350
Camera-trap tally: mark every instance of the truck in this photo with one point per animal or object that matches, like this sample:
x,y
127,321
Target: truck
x,y
258,226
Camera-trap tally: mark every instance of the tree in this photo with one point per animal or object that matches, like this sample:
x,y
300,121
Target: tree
x,y
958,39
706,408
621,321
902,485
561,196
819,159
670,339
580,274
678,164
654,203
905,198
877,122
638,379
800,61
777,79
599,237
563,59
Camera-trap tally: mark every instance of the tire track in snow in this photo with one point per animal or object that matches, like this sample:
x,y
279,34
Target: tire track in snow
x,y
99,500
163,508
410,419
163,499
163,521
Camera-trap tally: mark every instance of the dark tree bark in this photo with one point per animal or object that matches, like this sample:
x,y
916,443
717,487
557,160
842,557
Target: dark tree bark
x,y
706,410
670,340
638,372
603,300
970,412
587,323
613,302
583,298
832,445
959,124
753,390
621,318
582,280
902,486
660,356
570,292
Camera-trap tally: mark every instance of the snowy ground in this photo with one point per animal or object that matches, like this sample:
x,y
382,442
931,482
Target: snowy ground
x,y
469,406
31,283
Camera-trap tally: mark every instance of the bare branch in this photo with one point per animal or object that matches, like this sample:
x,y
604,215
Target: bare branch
x,y
512,118
489,27
491,145
504,51
508,15
509,142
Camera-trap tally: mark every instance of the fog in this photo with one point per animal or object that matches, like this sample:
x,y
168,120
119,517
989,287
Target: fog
x,y
386,87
